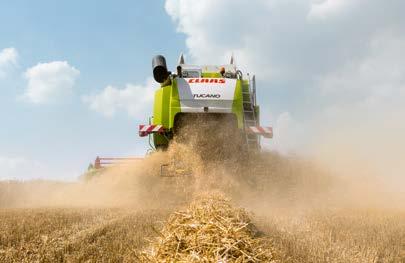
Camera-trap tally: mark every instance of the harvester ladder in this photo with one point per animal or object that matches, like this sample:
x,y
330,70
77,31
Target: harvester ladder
x,y
249,116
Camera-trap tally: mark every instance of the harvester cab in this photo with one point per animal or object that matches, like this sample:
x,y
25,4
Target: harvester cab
x,y
220,97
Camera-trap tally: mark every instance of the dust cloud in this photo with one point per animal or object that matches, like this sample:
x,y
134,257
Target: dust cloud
x,y
338,175
134,185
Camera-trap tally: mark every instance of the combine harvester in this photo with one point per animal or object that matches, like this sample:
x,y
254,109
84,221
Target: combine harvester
x,y
220,98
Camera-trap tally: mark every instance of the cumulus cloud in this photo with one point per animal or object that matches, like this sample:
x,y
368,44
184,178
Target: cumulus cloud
x,y
135,100
277,38
328,61
378,75
49,82
8,59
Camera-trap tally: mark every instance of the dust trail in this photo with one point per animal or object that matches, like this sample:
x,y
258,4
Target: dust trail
x,y
263,182
136,185
339,174
354,166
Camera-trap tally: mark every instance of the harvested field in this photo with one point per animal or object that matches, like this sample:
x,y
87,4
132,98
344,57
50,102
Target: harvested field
x,y
119,235
337,236
74,235
286,210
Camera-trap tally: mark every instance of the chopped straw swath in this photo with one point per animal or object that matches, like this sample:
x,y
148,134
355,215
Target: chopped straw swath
x,y
210,230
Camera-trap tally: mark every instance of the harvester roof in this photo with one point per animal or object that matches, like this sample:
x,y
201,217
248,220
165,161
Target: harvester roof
x,y
211,71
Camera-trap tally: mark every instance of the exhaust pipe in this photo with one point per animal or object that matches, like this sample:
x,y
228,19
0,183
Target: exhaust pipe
x,y
160,73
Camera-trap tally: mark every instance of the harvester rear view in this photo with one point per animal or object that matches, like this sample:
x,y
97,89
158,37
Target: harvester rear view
x,y
211,108
213,105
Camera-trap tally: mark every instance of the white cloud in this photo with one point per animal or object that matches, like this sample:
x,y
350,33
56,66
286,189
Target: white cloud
x,y
365,98
321,58
374,83
49,82
276,39
136,100
8,59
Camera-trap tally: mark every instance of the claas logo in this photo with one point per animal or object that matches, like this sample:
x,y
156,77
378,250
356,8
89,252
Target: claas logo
x,y
207,80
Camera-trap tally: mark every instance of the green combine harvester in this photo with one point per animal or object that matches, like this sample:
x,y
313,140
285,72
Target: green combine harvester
x,y
217,103
219,95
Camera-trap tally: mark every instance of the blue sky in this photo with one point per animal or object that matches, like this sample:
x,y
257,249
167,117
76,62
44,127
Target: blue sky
x,y
71,73
109,43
